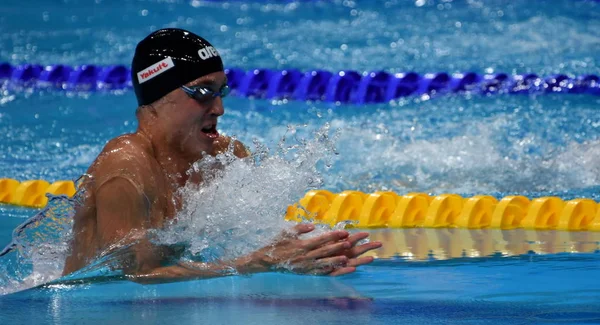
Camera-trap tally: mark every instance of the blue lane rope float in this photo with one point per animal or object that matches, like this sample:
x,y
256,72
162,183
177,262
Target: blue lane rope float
x,y
345,86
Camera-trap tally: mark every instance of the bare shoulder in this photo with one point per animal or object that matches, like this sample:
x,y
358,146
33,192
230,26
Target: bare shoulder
x,y
127,156
239,149
131,143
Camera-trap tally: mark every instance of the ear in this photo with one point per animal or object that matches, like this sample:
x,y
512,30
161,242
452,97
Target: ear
x,y
144,110
164,106
151,109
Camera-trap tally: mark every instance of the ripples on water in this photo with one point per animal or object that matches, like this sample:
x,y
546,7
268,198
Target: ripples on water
x,y
533,145
240,209
505,144
519,36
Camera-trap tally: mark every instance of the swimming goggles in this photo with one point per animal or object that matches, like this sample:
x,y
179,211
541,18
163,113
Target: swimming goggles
x,y
203,94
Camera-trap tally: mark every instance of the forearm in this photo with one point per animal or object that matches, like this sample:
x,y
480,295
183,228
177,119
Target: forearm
x,y
185,271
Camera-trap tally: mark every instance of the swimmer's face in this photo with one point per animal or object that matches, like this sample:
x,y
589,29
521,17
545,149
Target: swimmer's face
x,y
191,120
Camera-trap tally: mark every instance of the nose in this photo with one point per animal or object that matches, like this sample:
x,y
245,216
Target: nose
x,y
216,106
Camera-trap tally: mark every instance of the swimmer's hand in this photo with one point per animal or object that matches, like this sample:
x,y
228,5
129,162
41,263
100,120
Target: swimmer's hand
x,y
354,252
333,253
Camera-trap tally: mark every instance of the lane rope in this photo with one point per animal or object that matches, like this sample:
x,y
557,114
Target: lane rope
x,y
345,86
389,209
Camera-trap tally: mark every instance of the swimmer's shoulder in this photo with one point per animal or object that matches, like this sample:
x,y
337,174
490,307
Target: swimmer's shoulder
x,y
128,155
126,147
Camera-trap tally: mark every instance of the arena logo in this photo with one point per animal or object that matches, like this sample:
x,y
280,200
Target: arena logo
x,y
155,69
207,52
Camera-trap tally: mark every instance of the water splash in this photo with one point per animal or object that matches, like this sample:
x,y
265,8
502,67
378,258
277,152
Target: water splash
x,y
39,247
502,145
240,207
471,163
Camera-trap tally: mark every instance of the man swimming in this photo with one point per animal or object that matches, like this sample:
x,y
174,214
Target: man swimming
x,y
132,186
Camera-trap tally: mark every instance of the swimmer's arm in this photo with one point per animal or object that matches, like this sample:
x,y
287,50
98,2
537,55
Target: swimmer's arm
x,y
184,271
122,219
331,253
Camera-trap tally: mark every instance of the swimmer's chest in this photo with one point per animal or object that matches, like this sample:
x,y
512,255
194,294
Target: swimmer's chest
x,y
163,201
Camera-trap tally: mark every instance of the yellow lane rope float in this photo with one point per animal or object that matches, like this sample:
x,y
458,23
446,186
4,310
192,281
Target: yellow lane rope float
x,y
32,193
389,209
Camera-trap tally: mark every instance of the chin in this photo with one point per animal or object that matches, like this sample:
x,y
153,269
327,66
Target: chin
x,y
204,148
196,147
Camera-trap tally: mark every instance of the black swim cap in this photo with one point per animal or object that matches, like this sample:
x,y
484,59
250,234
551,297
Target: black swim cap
x,y
169,58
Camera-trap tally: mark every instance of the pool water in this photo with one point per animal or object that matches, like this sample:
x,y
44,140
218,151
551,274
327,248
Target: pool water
x,y
495,291
531,145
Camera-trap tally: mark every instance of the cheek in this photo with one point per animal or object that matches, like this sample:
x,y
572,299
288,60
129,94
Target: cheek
x,y
185,127
180,121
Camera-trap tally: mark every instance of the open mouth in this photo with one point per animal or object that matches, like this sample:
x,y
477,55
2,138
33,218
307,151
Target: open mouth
x,y
210,131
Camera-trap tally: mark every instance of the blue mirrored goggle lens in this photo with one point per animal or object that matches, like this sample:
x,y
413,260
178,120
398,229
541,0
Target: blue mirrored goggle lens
x,y
203,94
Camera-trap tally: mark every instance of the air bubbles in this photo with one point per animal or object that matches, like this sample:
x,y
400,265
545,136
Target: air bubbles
x,y
420,3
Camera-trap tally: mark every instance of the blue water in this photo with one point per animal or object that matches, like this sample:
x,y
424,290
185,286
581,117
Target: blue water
x,y
381,294
532,145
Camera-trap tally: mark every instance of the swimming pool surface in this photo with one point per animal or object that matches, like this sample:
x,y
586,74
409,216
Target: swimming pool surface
x,y
532,145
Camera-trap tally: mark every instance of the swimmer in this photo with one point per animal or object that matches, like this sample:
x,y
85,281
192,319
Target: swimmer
x,y
133,184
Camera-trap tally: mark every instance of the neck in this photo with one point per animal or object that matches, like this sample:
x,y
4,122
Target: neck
x,y
174,164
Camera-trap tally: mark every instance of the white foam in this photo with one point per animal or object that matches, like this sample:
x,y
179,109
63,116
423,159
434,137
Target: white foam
x,y
479,158
241,208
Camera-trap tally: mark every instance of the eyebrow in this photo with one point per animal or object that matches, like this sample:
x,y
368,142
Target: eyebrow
x,y
207,82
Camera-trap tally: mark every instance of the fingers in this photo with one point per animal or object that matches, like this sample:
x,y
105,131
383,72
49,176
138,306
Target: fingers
x,y
329,250
350,267
359,250
325,238
322,266
335,262
297,230
355,238
360,261
323,271
342,271
334,253
303,228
